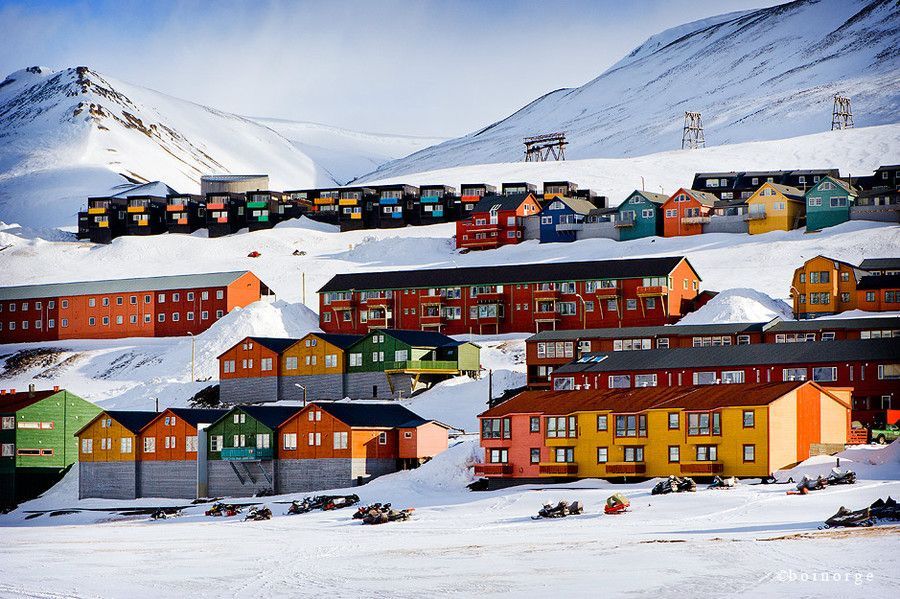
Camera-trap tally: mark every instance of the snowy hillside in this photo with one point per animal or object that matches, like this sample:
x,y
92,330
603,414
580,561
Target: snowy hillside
x,y
754,75
73,133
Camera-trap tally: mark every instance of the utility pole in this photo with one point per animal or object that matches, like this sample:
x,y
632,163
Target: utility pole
x,y
193,378
490,387
303,284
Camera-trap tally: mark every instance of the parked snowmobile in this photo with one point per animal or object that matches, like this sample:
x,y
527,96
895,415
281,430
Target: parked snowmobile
x,y
301,506
885,509
361,511
386,514
841,477
560,510
674,484
812,484
616,504
845,517
259,513
720,482
165,513
336,502
223,509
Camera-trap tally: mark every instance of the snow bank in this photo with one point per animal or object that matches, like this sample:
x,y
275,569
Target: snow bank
x,y
873,462
739,305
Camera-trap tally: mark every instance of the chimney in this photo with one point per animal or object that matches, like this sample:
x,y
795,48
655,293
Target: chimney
x,y
55,388
31,390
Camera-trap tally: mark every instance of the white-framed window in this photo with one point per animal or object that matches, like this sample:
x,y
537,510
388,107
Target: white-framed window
x,y
732,377
220,294
265,364
705,378
602,455
204,315
382,438
794,374
290,363
263,440
331,361
499,456
87,446
674,454
645,380
289,441
149,444
228,366
826,374
8,450
888,371
314,439
619,381
340,440
216,442
190,443
563,383
749,453
9,422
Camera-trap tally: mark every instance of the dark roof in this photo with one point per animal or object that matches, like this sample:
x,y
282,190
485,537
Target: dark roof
x,y
342,341
130,419
658,331
707,397
736,355
418,338
195,416
730,203
271,416
11,403
656,198
377,415
879,282
880,264
505,202
791,193
836,324
507,274
276,344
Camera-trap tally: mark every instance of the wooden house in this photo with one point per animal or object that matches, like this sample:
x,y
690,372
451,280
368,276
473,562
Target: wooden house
x,y
882,204
750,181
805,179
437,204
876,293
171,453
250,370
314,367
330,445
358,208
881,266
108,458
561,218
558,189
395,205
828,203
37,442
393,363
722,185
241,450
517,188
185,213
686,211
226,213
775,207
265,209
496,220
146,215
823,286
107,218
640,215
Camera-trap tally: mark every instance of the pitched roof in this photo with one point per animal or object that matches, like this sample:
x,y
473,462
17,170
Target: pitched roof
x,y
375,415
736,355
655,331
704,197
836,324
215,279
656,198
504,202
132,420
879,282
706,397
271,416
13,402
880,264
792,193
276,344
153,188
506,274
338,340
418,338
842,183
578,205
195,416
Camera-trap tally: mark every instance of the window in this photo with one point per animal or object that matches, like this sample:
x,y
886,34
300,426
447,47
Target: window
x,y
645,380
535,456
794,374
749,419
674,420
263,440
732,377
382,438
9,449
560,426
674,454
331,361
340,440
496,428
149,444
827,374
565,455
356,359
705,378
265,364
499,456
631,304
314,439
888,371
91,321
219,314
619,381
634,454
743,339
535,424
602,422
161,317
239,418
9,422
87,446
228,366
632,425
602,455
707,453
92,302
170,442
563,383
216,442
704,423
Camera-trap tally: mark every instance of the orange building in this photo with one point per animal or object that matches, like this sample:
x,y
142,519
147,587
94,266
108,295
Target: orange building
x,y
686,211
249,371
108,455
876,293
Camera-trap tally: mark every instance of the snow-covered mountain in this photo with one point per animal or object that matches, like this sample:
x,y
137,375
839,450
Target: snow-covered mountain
x,y
69,134
754,75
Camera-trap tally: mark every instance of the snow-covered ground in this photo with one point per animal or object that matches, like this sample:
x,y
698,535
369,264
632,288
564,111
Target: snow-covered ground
x,y
753,540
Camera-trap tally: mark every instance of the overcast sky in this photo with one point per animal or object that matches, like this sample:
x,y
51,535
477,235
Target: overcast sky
x,y
417,67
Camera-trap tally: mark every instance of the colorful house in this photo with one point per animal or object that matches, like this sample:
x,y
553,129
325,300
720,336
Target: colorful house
x,y
336,445
559,189
496,220
107,218
250,370
37,440
644,433
265,209
185,213
146,215
108,459
828,203
561,218
686,211
395,205
315,366
436,204
824,286
226,213
169,446
775,207
878,293
390,363
640,215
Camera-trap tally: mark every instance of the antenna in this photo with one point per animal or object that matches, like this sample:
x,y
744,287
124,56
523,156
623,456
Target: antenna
x,y
842,114
692,136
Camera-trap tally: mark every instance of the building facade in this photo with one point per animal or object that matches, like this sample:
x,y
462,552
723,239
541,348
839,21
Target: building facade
x,y
496,220
686,211
775,207
108,458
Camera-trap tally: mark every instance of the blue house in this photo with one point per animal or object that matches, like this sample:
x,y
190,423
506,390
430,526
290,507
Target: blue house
x,y
639,215
561,218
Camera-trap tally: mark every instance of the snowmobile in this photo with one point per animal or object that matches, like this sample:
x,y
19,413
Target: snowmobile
x,y
674,484
560,510
386,514
259,513
336,502
307,504
616,504
885,509
165,513
223,509
365,509
845,517
841,477
720,482
812,484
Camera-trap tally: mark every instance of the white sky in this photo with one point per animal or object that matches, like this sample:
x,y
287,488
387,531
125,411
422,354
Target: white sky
x,y
414,67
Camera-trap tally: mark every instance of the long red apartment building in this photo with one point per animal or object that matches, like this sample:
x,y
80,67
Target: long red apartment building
x,y
511,299
140,307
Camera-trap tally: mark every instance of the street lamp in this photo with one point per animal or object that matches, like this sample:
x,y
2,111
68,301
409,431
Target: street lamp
x,y
583,311
304,392
192,357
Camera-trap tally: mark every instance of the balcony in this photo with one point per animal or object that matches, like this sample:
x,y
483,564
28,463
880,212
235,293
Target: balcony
x,y
431,320
491,297
546,316
377,301
702,467
246,454
175,208
323,201
348,202
651,291
493,469
342,304
608,293
755,215
436,366
216,206
557,469
694,220
257,204
625,222
378,323
630,468
546,294
96,210
430,300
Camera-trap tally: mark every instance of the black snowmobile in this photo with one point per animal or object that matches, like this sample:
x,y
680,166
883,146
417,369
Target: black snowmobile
x,y
336,502
560,510
885,509
362,510
720,482
841,477
302,506
845,517
258,513
384,514
674,484
223,509
164,513
812,484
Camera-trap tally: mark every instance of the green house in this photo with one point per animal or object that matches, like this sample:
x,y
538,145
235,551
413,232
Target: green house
x,y
639,215
828,203
240,450
37,439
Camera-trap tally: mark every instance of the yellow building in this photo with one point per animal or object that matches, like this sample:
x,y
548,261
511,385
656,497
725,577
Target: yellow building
x,y
745,431
824,286
775,207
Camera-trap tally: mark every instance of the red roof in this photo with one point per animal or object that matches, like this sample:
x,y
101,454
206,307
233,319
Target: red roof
x,y
13,402
708,397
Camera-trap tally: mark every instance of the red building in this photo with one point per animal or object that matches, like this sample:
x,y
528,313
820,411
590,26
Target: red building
x,y
871,367
685,212
878,293
496,220
510,299
112,309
